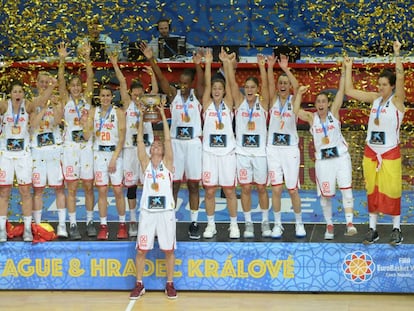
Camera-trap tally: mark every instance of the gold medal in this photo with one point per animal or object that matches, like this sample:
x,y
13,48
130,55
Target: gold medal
x,y
282,124
221,126
76,121
325,140
186,118
376,121
16,130
98,133
251,125
155,186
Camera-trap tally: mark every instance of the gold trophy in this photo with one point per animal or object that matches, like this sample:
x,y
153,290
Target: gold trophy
x,y
150,104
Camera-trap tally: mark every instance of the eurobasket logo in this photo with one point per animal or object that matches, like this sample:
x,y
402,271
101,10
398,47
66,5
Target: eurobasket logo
x,y
358,267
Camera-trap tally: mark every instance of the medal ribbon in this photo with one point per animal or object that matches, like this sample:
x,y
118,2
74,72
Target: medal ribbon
x,y
77,106
16,117
251,113
219,111
282,109
154,174
324,126
102,120
186,104
379,110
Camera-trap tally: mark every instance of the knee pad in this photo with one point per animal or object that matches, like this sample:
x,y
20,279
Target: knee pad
x,y
347,198
132,193
325,201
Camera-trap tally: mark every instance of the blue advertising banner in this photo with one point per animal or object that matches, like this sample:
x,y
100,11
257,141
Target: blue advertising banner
x,y
232,266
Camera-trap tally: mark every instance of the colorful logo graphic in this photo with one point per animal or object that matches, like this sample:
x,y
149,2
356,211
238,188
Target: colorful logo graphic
x,y
358,267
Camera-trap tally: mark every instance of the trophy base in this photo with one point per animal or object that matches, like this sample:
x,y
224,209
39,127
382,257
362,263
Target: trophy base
x,y
152,117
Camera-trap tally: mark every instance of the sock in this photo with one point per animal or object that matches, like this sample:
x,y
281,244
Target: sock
x,y
233,220
72,218
103,221
133,215
89,216
62,216
298,218
37,216
265,215
247,217
278,218
3,220
27,221
396,220
194,215
210,219
349,217
373,221
122,218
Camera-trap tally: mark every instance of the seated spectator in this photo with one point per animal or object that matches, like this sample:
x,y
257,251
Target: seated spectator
x,y
164,31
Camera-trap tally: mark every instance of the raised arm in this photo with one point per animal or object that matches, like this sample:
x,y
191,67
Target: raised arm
x,y
125,97
264,93
208,59
284,65
302,114
197,58
271,61
339,97
168,150
228,68
142,153
63,53
399,97
154,82
363,96
86,51
164,83
230,74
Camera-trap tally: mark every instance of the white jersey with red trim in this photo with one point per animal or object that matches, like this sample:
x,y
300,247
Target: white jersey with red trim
x,y
157,194
185,114
72,112
251,129
131,131
15,135
327,137
282,130
218,136
105,128
384,134
48,132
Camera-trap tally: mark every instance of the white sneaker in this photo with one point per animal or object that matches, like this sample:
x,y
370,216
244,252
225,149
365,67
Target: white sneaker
x,y
248,230
210,231
234,231
266,232
350,230
28,235
277,231
3,235
300,230
61,231
329,234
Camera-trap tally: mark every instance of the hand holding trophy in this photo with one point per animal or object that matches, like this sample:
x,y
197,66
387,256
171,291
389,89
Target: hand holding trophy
x,y
151,104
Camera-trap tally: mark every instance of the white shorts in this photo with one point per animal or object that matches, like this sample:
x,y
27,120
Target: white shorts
x,y
21,166
219,170
102,176
187,159
283,164
160,224
251,169
132,168
331,171
77,161
47,166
